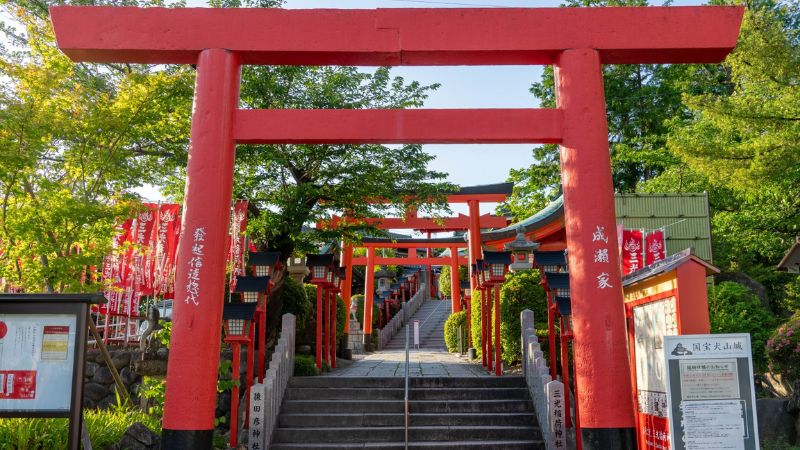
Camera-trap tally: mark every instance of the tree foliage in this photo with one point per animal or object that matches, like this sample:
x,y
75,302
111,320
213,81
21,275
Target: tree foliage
x,y
75,140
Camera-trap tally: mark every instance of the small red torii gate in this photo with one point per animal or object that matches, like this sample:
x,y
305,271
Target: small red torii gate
x,y
577,41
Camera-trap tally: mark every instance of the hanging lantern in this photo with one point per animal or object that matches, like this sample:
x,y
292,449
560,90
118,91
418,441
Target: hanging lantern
x,y
265,264
478,271
558,283
320,267
237,317
521,249
251,288
466,289
497,265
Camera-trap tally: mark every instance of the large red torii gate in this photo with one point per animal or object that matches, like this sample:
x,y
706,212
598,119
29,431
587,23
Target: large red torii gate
x,y
575,40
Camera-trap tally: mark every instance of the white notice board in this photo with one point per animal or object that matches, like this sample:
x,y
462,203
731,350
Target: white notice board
x,y
37,354
710,392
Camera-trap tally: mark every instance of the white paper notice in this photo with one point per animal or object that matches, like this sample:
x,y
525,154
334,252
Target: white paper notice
x,y
709,379
713,425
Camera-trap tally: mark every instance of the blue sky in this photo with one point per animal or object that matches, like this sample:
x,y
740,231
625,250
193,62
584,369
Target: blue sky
x,y
466,87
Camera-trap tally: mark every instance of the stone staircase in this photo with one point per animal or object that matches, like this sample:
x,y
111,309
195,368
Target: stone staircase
x,y
484,413
432,315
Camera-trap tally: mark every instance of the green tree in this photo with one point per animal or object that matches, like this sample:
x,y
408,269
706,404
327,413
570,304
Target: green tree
x,y
75,139
734,309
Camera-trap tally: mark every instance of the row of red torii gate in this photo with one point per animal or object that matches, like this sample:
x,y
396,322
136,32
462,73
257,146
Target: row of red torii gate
x,y
576,41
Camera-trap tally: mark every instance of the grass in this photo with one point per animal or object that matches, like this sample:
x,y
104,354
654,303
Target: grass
x,y
105,427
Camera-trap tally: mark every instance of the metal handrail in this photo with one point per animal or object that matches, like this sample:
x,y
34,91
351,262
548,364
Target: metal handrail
x,y
405,395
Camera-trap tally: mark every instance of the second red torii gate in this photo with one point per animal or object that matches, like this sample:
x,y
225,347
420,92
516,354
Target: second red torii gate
x,y
577,41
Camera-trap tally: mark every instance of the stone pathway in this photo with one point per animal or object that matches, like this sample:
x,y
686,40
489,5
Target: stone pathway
x,y
422,363
432,360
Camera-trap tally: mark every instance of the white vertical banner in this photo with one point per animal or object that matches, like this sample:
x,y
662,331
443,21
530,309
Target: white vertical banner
x,y
257,432
416,333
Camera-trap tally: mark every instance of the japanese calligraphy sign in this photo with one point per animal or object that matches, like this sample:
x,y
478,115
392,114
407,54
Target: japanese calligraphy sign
x,y
654,247
557,415
631,251
710,393
257,432
195,263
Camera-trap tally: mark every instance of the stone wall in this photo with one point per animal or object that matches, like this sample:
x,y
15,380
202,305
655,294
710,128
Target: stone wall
x,y
99,387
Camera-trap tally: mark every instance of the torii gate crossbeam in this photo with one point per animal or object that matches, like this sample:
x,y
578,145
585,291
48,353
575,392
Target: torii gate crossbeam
x,y
577,41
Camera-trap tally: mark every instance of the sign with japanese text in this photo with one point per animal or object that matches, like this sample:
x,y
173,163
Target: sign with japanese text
x,y
557,414
37,355
710,393
651,322
257,431
236,241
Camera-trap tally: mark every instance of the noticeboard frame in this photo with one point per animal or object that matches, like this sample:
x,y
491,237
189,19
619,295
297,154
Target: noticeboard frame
x,y
73,304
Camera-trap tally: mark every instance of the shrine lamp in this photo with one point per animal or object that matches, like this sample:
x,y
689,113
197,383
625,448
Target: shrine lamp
x,y
251,288
320,267
558,282
466,289
550,262
478,270
237,317
521,250
265,264
497,264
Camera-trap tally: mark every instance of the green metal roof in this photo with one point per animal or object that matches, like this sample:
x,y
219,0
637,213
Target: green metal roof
x,y
685,216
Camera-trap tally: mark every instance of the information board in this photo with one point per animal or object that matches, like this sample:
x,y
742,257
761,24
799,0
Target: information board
x,y
710,392
37,355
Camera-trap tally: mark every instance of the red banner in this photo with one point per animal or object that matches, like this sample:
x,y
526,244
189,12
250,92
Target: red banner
x,y
631,251
236,241
167,233
144,237
655,247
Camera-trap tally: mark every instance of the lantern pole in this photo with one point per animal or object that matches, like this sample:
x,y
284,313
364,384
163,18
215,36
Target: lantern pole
x,y
498,351
234,429
261,316
455,284
318,348
369,296
326,328
333,309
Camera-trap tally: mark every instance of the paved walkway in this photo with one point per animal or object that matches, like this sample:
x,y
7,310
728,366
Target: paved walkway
x,y
431,360
422,363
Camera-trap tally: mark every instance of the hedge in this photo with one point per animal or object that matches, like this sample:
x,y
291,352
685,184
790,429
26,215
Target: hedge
x,y
444,279
451,330
735,309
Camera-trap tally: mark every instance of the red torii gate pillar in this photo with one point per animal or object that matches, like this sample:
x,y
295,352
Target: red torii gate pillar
x,y
455,284
601,371
199,286
369,297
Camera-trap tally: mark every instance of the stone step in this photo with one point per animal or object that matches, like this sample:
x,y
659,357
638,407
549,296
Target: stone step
x,y
395,434
415,406
350,420
452,445
457,393
413,382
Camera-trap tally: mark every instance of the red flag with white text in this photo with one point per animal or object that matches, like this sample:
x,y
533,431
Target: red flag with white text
x,y
631,251
655,247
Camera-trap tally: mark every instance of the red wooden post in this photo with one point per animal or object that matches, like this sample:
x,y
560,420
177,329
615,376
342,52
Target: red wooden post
x,y
262,342
326,325
455,284
551,333
565,369
249,363
369,293
498,350
332,308
600,348
318,341
484,356
191,394
234,397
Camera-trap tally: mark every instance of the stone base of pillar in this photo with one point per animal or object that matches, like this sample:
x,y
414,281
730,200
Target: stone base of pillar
x,y
355,338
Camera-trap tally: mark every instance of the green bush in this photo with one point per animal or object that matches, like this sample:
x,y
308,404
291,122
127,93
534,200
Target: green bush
x,y
295,300
105,426
444,279
520,291
305,366
783,350
734,309
360,311
475,322
455,320
342,317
